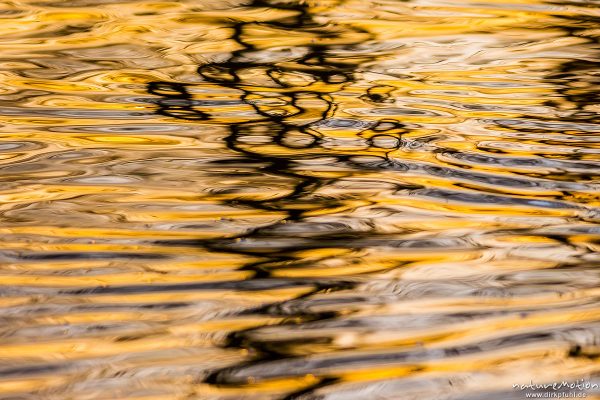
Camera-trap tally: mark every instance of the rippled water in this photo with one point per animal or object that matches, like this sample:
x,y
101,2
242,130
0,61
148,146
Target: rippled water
x,y
281,199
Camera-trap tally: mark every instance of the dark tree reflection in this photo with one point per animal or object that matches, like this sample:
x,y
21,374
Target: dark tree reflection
x,y
299,101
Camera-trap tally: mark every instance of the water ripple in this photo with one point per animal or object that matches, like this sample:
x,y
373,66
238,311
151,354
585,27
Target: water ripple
x,y
281,199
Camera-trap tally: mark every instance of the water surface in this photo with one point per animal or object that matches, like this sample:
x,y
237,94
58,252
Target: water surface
x,y
282,199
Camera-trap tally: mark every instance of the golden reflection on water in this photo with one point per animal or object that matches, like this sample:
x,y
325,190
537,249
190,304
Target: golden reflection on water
x,y
282,199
